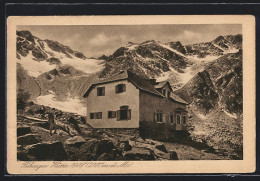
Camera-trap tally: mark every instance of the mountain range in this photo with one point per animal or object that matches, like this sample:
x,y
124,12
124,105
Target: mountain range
x,y
207,75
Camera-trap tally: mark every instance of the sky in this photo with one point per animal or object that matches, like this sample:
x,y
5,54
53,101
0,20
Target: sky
x,y
97,40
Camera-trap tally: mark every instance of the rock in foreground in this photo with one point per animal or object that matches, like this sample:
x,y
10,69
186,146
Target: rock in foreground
x,y
75,141
139,154
23,131
47,151
27,139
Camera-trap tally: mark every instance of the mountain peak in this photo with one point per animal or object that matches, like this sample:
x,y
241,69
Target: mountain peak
x,y
130,44
148,42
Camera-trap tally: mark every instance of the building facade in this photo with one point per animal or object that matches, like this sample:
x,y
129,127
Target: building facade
x,y
126,99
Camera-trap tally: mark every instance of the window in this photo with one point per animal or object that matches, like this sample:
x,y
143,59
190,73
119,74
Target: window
x,y
99,115
120,88
100,91
92,115
178,117
111,114
158,116
163,92
124,113
96,115
184,119
171,118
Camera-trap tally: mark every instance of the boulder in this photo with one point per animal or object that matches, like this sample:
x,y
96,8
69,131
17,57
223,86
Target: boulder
x,y
124,145
83,120
97,147
161,147
22,156
173,155
40,110
23,131
105,157
47,151
27,139
76,141
159,154
139,154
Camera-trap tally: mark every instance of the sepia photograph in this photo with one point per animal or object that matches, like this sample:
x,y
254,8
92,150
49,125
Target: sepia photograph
x,y
129,92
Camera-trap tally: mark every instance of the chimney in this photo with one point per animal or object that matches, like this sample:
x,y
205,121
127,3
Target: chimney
x,y
153,81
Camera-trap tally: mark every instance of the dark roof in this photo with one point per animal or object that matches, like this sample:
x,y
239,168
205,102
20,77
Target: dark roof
x,y
120,76
180,109
143,84
140,82
177,98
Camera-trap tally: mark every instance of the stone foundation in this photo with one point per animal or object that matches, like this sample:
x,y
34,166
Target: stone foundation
x,y
162,132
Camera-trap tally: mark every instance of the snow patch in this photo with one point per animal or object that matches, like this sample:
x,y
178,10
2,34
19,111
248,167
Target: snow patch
x,y
171,49
230,115
186,76
163,77
34,68
201,116
229,50
131,46
87,65
73,105
208,58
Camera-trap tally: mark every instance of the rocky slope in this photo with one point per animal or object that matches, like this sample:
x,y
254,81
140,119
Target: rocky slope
x,y
38,56
149,58
48,68
75,140
172,61
218,85
215,97
220,46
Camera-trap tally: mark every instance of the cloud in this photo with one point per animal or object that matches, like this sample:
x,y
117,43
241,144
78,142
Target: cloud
x,y
72,39
102,39
188,36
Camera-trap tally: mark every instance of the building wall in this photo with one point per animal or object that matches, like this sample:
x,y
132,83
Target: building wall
x,y
150,103
112,102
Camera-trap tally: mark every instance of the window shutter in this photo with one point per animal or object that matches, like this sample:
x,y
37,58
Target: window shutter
x,y
118,114
163,117
155,116
124,87
129,114
103,91
116,89
113,114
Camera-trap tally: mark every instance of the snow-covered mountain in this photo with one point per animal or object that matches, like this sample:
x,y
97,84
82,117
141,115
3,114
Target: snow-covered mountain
x,y
218,85
56,68
38,56
169,61
216,103
219,46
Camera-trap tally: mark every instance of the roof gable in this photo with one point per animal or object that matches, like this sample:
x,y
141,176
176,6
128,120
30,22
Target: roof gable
x,y
161,85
